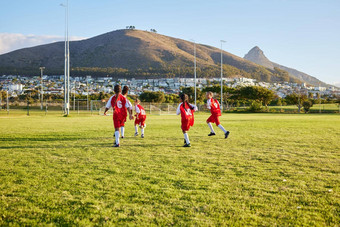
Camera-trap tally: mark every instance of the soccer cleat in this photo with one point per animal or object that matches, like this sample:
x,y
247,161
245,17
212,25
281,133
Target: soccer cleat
x,y
136,133
116,145
187,145
122,137
226,135
211,134
142,136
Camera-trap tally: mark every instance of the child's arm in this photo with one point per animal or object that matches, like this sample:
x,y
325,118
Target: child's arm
x,y
179,109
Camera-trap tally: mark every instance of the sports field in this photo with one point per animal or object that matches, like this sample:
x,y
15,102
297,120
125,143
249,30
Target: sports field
x,y
272,170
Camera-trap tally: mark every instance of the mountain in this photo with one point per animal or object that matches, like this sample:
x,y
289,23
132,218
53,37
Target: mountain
x,y
257,56
134,53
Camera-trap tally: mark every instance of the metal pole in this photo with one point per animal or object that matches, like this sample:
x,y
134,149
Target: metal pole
x,y
222,41
7,102
87,95
68,67
41,87
74,96
299,100
65,66
319,99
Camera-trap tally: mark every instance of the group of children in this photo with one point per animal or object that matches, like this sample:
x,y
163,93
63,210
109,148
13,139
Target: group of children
x,y
186,110
122,106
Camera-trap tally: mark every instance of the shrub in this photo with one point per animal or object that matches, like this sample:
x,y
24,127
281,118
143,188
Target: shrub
x,y
255,107
307,104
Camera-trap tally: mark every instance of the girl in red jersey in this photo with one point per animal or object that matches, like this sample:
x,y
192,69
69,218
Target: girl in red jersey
x,y
124,93
140,118
215,110
187,115
119,105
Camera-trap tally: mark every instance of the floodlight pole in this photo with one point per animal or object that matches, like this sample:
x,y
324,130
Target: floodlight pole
x,y
7,101
74,95
67,64
222,41
195,71
87,94
41,87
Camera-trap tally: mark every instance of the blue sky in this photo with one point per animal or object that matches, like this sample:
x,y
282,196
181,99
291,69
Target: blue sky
x,y
302,34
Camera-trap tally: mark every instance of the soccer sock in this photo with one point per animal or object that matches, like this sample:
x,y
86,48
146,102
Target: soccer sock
x,y
136,128
142,130
122,130
221,127
211,128
117,137
186,137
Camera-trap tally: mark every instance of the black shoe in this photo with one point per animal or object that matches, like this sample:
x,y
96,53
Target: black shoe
x,y
212,134
116,145
187,145
226,135
122,137
142,136
136,133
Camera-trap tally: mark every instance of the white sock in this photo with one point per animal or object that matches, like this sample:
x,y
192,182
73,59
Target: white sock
x,y
117,137
122,130
221,127
136,128
186,137
142,130
211,127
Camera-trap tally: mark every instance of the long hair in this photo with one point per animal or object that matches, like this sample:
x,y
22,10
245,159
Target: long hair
x,y
185,98
117,89
125,90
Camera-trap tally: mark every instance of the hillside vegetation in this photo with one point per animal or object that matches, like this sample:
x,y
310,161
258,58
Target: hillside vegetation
x,y
134,53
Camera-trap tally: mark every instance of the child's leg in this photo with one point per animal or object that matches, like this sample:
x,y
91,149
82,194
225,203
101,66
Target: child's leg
x,y
122,131
117,135
186,137
142,130
222,128
211,127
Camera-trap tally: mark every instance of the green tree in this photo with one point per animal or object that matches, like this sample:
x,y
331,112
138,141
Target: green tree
x,y
307,104
260,94
190,91
149,96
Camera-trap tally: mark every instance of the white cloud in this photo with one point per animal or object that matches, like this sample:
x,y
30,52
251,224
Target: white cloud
x,y
10,42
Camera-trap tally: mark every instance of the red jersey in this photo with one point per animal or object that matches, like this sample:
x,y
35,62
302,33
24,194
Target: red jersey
x,y
118,105
141,113
215,107
187,115
141,116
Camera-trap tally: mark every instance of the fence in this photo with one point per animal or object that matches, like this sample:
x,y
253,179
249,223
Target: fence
x,y
96,107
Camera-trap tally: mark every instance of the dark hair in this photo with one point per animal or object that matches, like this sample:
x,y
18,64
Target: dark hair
x,y
137,100
185,98
125,90
117,89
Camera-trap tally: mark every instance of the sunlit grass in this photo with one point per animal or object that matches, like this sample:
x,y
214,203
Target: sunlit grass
x,y
273,170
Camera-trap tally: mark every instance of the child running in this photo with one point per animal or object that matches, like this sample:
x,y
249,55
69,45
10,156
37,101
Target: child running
x,y
119,105
187,115
140,118
215,110
124,93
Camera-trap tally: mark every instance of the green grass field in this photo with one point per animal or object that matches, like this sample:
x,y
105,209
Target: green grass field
x,y
273,170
